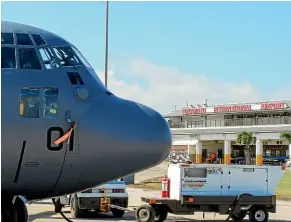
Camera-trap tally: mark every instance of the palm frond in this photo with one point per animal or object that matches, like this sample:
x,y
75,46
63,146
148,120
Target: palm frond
x,y
286,135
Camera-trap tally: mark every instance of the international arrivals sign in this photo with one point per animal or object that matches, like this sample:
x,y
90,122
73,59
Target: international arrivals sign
x,y
235,108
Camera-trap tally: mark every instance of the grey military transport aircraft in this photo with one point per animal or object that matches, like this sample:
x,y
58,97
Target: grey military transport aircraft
x,y
63,131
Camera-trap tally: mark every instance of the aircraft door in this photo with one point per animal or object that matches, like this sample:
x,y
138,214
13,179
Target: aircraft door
x,y
43,122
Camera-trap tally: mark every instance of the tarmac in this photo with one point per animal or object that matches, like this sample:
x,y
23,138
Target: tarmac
x,y
43,211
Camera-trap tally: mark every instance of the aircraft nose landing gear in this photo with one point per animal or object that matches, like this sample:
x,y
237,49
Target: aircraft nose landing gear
x,y
10,212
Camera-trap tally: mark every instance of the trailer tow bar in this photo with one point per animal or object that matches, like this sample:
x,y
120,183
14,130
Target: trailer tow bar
x,y
121,208
61,213
235,202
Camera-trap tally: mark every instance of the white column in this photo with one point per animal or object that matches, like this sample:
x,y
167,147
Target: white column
x,y
259,152
227,152
199,152
192,152
289,151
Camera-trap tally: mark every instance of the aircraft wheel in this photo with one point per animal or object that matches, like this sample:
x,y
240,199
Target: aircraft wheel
x,y
75,210
16,212
22,214
145,213
8,211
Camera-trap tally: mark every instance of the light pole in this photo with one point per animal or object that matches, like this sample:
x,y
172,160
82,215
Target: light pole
x,y
106,44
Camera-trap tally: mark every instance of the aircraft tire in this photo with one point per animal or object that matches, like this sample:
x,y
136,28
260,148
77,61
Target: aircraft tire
x,y
22,214
16,212
75,210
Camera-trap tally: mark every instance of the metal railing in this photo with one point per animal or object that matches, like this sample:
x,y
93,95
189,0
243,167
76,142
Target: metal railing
x,y
258,121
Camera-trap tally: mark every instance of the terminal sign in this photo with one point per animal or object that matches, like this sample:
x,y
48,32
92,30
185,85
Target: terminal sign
x,y
194,111
275,105
232,108
235,108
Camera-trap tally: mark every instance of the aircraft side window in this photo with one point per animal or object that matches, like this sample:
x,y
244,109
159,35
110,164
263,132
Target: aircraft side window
x,y
50,103
29,102
23,39
66,56
7,38
75,78
47,58
28,58
8,58
38,39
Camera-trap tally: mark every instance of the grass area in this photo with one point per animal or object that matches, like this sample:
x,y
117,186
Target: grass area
x,y
283,190
150,184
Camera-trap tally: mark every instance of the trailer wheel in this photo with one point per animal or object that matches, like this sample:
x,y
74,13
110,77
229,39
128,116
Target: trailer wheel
x,y
117,213
259,214
145,213
75,210
238,217
161,215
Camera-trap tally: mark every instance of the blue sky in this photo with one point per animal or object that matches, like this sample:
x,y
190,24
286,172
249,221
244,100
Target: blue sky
x,y
223,41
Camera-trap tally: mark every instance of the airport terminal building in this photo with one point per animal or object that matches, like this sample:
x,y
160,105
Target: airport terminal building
x,y
201,130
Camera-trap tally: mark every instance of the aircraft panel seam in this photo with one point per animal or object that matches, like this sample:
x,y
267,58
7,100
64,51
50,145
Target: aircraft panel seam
x,y
20,161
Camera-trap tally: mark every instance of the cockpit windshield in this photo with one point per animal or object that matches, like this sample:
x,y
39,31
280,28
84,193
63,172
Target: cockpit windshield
x,y
81,57
66,56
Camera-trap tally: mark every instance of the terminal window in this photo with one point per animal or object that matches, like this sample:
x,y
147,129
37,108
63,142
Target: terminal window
x,y
29,102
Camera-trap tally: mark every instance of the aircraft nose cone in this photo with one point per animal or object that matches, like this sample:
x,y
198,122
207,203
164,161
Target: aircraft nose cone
x,y
116,137
126,135
153,133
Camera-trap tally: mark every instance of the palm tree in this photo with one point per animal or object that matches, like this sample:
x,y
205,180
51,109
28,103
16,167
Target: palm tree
x,y
247,139
286,136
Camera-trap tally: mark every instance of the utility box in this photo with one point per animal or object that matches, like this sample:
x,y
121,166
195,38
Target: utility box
x,y
222,180
252,180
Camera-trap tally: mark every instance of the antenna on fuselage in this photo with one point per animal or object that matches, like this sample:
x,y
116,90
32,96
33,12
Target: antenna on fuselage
x,y
106,43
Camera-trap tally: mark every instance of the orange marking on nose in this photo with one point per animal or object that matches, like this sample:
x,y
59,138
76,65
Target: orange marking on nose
x,y
66,136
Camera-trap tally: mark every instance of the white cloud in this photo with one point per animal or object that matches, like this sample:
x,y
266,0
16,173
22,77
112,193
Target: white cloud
x,y
163,87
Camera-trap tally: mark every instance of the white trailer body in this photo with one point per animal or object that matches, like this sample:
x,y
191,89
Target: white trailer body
x,y
222,180
235,190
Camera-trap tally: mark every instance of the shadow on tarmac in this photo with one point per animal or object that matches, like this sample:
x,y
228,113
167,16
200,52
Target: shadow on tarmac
x,y
128,216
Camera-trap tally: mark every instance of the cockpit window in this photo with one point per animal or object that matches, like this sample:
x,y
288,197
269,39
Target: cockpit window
x,y
81,57
66,56
48,58
28,59
7,38
38,39
23,39
8,57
